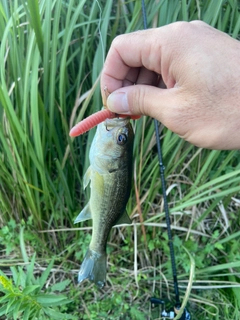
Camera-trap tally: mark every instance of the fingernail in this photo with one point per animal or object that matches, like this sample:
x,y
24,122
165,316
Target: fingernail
x,y
118,102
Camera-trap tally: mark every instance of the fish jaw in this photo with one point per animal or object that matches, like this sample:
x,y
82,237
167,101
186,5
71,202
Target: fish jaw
x,y
94,268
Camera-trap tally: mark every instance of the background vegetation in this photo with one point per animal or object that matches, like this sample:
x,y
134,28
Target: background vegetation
x,y
51,55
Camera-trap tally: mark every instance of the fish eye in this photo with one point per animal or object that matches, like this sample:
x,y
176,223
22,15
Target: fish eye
x,y
121,139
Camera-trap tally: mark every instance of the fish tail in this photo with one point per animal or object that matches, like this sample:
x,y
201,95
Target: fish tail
x,y
94,268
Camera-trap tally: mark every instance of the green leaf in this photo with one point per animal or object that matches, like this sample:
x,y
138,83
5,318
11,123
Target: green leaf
x,y
30,268
51,299
18,306
35,22
15,275
30,289
3,309
60,286
42,280
7,297
136,314
22,245
27,313
218,245
53,314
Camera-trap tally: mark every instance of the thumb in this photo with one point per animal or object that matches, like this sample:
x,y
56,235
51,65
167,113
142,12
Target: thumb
x,y
142,100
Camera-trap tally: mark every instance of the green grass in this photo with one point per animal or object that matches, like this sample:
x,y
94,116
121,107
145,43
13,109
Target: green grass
x,y
51,55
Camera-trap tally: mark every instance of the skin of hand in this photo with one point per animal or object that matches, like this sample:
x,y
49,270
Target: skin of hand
x,y
185,74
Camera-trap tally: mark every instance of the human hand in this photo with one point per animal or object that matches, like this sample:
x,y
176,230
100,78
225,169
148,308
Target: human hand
x,y
186,75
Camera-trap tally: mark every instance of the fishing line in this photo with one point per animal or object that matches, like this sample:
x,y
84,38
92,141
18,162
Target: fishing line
x,y
170,315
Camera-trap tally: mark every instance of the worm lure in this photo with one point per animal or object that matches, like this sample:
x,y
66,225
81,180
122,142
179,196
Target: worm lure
x,y
95,119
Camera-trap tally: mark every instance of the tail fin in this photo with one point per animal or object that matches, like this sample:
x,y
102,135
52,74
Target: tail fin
x,y
94,267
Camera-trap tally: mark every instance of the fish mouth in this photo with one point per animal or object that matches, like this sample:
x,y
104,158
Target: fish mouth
x,y
116,122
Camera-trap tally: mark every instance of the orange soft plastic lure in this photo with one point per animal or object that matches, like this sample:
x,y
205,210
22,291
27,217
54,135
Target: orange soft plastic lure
x,y
96,118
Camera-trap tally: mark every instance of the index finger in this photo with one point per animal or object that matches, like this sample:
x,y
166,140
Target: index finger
x,y
127,53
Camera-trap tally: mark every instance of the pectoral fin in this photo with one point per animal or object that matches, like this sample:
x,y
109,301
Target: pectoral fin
x,y
85,214
87,177
123,219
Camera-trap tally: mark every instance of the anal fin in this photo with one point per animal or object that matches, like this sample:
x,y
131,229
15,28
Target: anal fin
x,y
124,219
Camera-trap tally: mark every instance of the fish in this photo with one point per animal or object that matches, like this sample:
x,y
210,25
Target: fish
x,y
109,175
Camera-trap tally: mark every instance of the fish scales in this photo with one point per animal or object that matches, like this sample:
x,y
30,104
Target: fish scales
x,y
110,173
111,197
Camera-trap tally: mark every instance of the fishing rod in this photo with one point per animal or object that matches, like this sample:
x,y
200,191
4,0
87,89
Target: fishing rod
x,y
156,301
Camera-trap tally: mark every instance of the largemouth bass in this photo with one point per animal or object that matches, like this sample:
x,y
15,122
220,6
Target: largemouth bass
x,y
110,173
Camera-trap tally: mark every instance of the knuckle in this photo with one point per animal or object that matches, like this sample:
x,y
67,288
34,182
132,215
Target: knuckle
x,y
142,100
197,23
115,42
184,29
138,100
180,27
118,40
